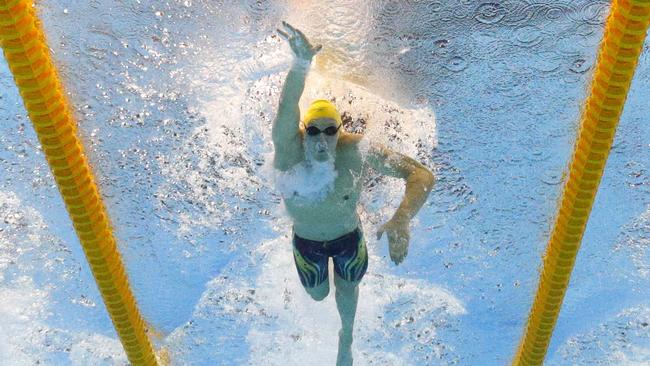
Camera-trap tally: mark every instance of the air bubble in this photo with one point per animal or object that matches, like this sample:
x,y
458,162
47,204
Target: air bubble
x,y
489,13
391,9
528,36
441,43
553,13
580,66
552,177
456,64
595,13
434,7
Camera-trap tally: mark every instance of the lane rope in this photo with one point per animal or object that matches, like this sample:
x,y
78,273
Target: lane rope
x,y
619,52
27,54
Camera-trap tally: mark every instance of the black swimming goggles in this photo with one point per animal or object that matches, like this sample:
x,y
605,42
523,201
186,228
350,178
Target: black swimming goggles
x,y
329,131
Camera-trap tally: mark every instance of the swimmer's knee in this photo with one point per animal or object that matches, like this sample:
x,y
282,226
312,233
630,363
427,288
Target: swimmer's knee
x,y
343,284
320,292
319,297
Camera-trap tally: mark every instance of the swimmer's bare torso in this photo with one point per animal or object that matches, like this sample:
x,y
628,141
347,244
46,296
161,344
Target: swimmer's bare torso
x,y
336,214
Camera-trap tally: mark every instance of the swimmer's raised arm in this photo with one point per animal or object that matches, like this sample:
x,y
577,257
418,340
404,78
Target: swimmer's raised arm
x,y
286,130
419,182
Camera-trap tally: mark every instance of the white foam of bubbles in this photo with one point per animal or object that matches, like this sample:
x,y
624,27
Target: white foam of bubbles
x,y
269,319
34,266
639,245
622,339
21,304
633,356
304,331
96,349
309,181
282,324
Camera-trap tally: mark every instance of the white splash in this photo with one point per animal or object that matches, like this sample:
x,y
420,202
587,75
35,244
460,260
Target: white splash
x,y
311,181
35,264
304,331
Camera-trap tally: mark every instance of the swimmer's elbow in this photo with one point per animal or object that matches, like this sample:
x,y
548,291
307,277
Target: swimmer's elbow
x,y
430,179
280,164
423,177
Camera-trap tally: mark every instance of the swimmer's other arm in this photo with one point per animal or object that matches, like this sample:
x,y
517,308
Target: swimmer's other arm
x,y
419,182
286,130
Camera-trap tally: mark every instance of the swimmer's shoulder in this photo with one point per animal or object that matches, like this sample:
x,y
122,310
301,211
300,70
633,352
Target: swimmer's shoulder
x,y
349,146
350,140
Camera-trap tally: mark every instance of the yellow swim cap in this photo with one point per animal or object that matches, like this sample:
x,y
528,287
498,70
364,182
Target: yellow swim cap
x,y
321,108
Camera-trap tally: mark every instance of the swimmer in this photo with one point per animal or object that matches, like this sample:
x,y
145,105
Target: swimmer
x,y
329,227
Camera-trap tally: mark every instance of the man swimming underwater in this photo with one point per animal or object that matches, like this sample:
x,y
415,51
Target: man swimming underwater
x,y
327,225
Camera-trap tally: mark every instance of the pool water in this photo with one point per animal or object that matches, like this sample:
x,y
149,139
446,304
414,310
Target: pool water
x,y
175,103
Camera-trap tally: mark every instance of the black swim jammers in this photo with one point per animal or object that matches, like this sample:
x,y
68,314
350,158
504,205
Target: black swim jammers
x,y
348,252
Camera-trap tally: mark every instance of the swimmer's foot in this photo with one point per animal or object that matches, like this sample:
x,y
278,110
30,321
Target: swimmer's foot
x,y
344,357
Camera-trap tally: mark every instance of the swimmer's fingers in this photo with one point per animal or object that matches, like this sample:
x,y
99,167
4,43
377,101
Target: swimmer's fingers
x,y
294,31
300,34
298,42
393,247
398,244
283,34
382,229
405,247
289,27
395,240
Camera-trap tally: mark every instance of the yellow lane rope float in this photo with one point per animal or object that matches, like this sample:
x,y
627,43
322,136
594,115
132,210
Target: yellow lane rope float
x,y
27,55
619,52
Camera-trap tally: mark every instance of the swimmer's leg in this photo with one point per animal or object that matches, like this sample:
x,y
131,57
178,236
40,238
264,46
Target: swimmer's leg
x,y
319,292
347,295
313,272
349,268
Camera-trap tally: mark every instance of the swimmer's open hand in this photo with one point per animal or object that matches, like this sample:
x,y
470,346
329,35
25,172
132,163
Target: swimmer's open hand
x,y
397,230
300,46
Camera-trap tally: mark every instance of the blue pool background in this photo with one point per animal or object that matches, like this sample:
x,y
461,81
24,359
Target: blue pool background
x,y
174,103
